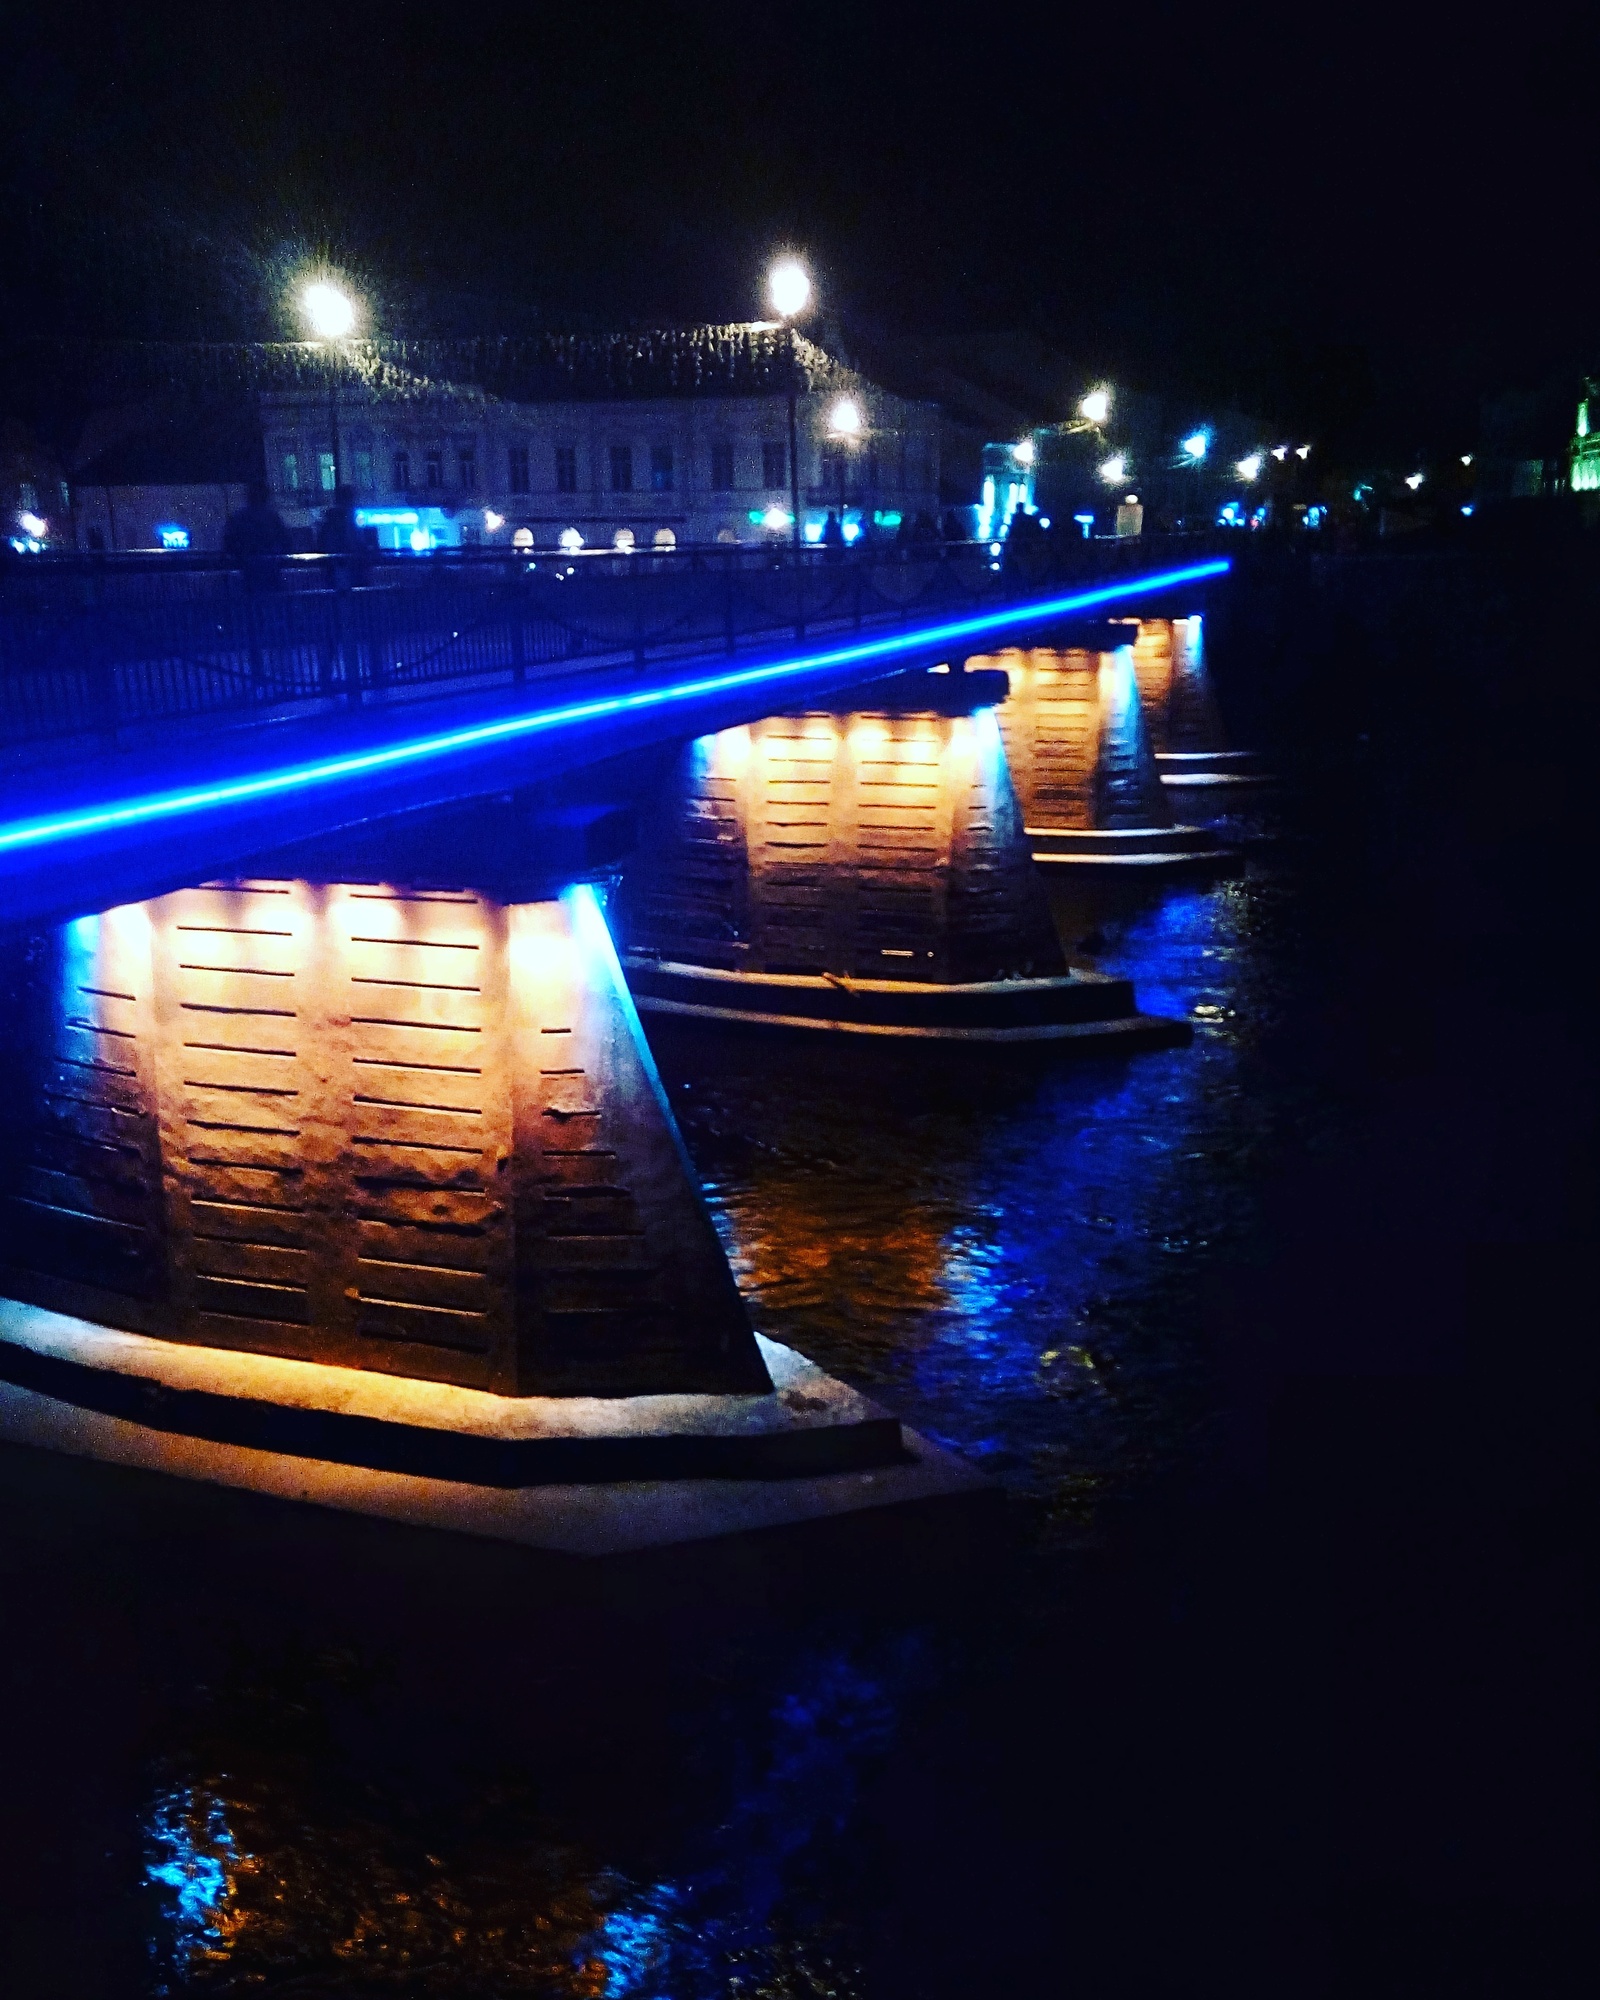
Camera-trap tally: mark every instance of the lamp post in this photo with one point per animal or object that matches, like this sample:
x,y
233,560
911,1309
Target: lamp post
x,y
330,313
789,290
844,427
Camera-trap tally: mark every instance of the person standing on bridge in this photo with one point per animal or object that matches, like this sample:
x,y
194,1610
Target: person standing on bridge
x,y
256,539
338,535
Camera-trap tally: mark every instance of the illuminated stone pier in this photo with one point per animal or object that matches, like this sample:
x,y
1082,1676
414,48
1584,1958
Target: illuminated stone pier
x,y
1181,714
370,1195
1092,796
860,873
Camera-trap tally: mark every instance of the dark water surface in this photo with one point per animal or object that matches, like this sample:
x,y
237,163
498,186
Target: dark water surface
x,y
1267,1674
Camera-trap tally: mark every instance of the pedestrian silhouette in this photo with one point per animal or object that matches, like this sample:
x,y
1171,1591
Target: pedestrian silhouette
x,y
257,540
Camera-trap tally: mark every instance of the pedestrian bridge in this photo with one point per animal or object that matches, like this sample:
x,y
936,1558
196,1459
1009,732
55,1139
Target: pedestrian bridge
x,y
161,723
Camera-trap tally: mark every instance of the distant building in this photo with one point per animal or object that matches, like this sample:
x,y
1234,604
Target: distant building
x,y
654,439
162,476
626,442
1585,463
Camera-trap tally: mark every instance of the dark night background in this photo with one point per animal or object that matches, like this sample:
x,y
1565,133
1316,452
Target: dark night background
x,y
1358,221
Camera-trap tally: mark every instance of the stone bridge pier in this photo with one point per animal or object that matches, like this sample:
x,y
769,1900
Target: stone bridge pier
x,y
369,1193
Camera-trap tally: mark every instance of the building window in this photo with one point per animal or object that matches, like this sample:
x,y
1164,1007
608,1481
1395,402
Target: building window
x,y
363,470
325,476
567,468
661,468
774,465
435,468
467,470
290,462
517,469
622,541
664,538
722,465
402,472
622,468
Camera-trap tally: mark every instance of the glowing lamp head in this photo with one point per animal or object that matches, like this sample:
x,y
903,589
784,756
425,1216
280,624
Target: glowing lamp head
x,y
1302,451
1096,406
32,524
569,539
1414,480
1196,445
492,521
1249,468
1023,452
1280,451
1114,470
329,312
844,419
789,287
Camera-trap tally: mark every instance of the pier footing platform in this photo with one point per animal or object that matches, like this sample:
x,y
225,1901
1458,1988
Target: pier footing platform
x,y
576,1475
1147,852
1198,770
1091,1010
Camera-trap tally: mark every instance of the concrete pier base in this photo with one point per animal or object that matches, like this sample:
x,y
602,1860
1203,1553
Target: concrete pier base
x,y
1086,1010
576,1475
1093,794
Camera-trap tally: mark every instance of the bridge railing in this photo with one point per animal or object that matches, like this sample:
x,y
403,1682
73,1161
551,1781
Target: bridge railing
x,y
98,647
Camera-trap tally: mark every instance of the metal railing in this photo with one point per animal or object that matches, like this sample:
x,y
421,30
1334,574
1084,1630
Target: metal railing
x,y
100,647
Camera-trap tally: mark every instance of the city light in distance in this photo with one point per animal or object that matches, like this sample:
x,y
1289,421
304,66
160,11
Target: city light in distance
x,y
789,287
32,524
570,539
1466,458
775,517
1249,468
1280,451
1302,451
1114,470
329,312
1196,445
1023,452
844,419
1414,480
492,521
1096,406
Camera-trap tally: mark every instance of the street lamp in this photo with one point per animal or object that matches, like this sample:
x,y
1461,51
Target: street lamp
x,y
789,290
330,314
1249,469
1196,445
1096,407
1114,470
844,427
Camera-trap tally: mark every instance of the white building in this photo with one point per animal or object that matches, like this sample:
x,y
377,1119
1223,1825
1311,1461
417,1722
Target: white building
x,y
678,438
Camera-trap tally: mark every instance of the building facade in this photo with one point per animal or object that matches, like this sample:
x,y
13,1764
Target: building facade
x,y
455,467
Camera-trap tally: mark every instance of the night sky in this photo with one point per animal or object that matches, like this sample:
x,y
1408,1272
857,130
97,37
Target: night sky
x,y
1357,220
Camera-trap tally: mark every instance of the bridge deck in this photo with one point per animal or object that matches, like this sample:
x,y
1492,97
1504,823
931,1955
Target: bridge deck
x,y
153,807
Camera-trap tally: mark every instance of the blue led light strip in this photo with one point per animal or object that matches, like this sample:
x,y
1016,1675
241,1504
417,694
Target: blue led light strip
x,y
301,777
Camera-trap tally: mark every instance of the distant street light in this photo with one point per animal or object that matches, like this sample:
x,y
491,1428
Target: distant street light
x,y
844,419
1249,468
1114,470
330,313
1096,406
1023,452
1414,480
845,426
789,289
1196,445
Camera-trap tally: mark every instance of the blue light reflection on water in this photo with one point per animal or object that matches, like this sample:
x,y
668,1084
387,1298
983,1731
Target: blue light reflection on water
x,y
1007,1253
190,1854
